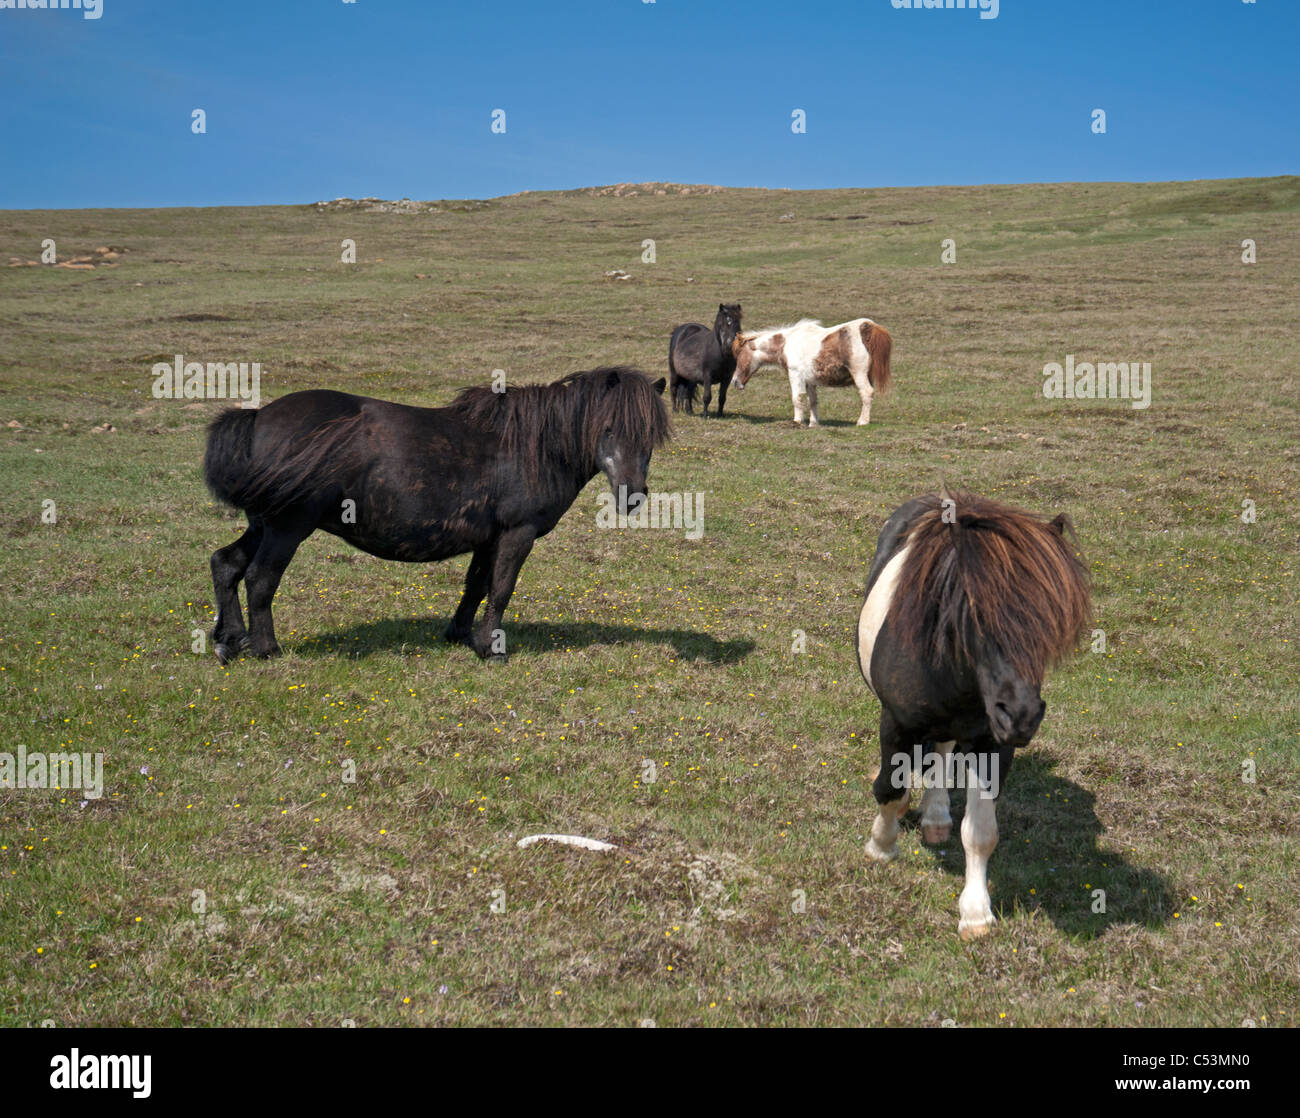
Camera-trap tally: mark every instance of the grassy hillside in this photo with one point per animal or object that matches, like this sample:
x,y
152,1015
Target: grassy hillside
x,y
229,875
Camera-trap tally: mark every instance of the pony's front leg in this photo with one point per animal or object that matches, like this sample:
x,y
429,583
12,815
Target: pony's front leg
x,y
708,396
722,394
512,549
477,578
936,820
893,791
979,836
814,420
796,394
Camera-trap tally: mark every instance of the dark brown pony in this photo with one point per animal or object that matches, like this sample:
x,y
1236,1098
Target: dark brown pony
x,y
490,474
700,356
969,603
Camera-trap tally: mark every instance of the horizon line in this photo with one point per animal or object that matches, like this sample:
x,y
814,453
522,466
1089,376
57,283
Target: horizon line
x,y
654,183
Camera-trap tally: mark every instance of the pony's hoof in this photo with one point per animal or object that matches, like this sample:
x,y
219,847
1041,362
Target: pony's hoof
x,y
485,651
879,853
264,651
229,650
932,834
972,931
456,636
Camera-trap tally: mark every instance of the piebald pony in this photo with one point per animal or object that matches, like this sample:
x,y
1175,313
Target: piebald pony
x,y
816,356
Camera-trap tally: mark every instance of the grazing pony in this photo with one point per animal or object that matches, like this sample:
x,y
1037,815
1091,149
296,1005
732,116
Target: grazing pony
x,y
968,604
700,356
490,474
816,356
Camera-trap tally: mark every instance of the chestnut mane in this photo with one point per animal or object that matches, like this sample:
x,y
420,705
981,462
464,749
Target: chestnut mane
x,y
978,570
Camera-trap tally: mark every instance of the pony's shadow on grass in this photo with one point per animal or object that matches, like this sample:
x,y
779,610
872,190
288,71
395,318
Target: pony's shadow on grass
x,y
756,419
1059,870
369,638
786,421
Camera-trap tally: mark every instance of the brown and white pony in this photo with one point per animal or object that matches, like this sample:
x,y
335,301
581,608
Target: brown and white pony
x,y
816,356
968,603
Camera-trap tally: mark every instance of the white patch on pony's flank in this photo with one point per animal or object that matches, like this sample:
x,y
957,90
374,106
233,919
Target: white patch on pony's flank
x,y
979,835
882,846
874,611
567,840
936,820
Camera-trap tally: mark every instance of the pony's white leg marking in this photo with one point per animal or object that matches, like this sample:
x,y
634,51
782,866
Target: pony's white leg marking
x,y
875,609
796,394
882,846
979,835
936,821
813,419
865,417
862,378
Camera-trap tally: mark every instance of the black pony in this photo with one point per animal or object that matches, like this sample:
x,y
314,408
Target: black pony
x,y
490,474
968,604
700,356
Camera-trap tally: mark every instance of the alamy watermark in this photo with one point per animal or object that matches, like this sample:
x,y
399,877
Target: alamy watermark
x,y
84,771
988,9
950,770
1106,380
674,511
90,9
213,380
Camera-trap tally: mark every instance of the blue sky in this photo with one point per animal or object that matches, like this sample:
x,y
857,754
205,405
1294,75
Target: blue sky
x,y
309,99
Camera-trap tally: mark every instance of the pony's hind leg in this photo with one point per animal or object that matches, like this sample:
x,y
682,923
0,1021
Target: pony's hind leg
x,y
893,791
477,577
936,820
862,378
228,565
708,396
262,580
979,836
864,417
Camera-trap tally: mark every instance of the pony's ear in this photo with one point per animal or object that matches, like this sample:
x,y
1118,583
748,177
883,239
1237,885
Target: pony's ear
x,y
722,308
611,379
1061,523
660,385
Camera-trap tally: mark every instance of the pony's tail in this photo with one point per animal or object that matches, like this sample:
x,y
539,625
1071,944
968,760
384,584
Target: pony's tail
x,y
227,461
879,343
263,488
682,390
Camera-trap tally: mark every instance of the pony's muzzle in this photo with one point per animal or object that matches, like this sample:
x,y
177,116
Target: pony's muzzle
x,y
630,503
1016,725
736,382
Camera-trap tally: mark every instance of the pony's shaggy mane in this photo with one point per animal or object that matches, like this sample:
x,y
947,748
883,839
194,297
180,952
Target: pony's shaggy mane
x,y
535,420
995,573
768,332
